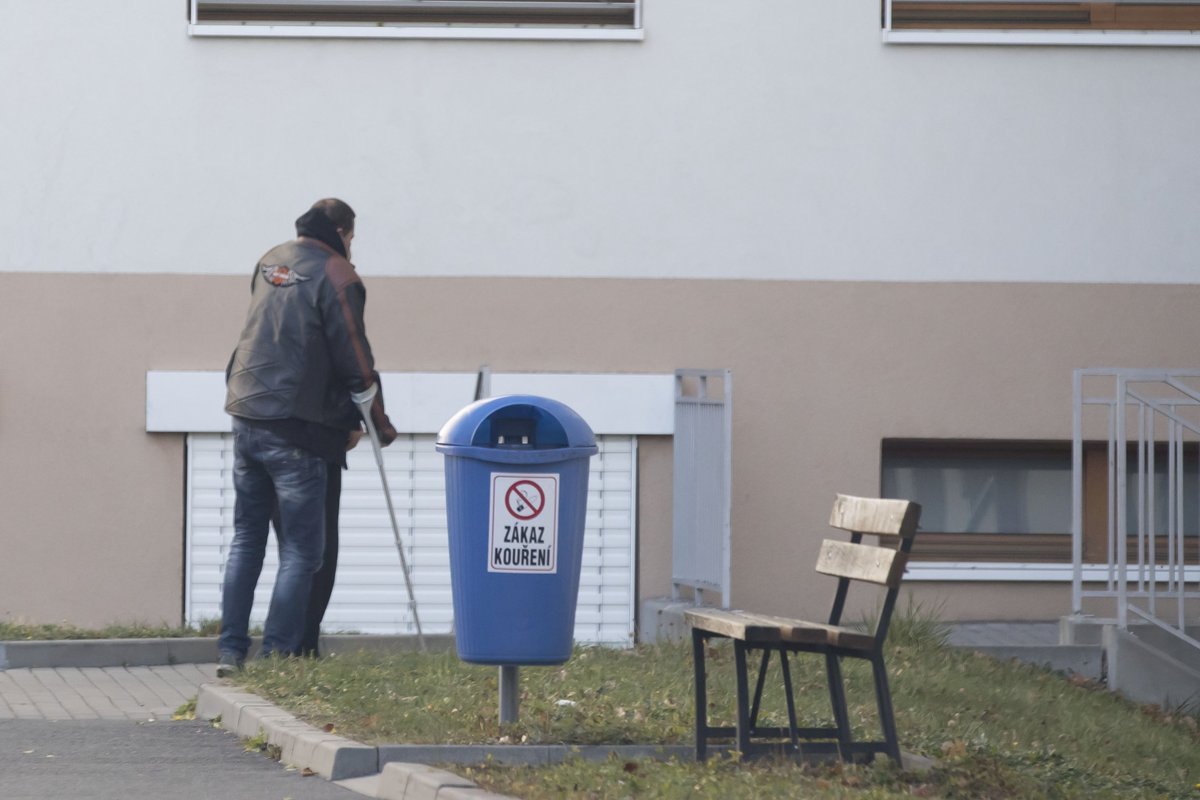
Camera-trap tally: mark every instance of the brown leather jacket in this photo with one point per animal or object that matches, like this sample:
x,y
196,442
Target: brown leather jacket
x,y
303,349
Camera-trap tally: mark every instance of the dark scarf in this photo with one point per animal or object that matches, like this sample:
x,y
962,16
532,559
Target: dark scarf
x,y
315,225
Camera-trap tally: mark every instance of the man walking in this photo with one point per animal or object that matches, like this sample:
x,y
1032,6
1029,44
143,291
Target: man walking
x,y
301,354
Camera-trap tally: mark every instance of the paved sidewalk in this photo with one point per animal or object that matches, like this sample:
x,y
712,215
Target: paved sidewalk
x,y
122,759
110,693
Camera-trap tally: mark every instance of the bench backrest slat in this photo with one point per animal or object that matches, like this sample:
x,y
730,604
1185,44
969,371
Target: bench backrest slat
x,y
860,562
876,517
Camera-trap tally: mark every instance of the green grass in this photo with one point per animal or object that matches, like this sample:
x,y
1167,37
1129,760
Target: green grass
x,y
997,730
15,631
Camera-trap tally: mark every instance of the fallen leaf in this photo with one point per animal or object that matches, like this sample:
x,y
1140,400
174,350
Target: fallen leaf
x,y
328,727
307,773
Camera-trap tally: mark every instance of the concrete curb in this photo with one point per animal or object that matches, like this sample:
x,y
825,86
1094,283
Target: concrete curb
x,y
405,772
106,653
193,650
331,756
334,757
421,782
527,755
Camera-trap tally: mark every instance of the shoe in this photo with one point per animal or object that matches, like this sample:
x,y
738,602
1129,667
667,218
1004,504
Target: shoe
x,y
228,665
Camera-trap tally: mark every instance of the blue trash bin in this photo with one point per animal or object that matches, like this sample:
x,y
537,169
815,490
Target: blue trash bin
x,y
516,500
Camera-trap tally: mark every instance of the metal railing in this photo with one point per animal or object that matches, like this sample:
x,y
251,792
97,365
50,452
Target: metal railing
x,y
1150,417
703,467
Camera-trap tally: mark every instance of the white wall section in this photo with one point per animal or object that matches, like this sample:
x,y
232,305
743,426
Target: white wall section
x,y
421,402
799,147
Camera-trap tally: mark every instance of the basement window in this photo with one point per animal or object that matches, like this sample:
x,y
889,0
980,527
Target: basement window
x,y
1131,22
984,500
1010,501
419,19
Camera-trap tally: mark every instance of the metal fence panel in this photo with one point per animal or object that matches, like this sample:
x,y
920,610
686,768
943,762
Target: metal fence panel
x,y
702,476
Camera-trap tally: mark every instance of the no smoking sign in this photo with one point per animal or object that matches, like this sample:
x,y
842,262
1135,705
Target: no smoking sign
x,y
523,534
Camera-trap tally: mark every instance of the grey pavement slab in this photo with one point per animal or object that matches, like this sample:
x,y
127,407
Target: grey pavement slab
x,y
995,634
91,694
133,693
1031,642
124,760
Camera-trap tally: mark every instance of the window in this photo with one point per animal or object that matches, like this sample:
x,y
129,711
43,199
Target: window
x,y
984,501
1010,501
491,19
1146,504
1131,22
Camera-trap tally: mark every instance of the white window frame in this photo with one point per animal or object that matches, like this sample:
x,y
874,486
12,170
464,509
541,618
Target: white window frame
x,y
1013,572
318,30
993,36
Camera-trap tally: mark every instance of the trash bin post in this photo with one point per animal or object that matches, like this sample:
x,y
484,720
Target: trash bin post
x,y
510,694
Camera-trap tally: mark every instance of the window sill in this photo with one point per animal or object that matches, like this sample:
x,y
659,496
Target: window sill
x,y
1021,572
416,32
1049,38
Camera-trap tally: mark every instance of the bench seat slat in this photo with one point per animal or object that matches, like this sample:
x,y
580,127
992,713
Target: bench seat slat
x,y
764,628
734,624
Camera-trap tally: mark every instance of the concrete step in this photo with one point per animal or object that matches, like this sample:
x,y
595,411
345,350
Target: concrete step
x,y
1146,673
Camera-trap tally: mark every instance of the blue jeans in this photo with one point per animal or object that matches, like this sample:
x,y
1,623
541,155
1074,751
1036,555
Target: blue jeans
x,y
268,472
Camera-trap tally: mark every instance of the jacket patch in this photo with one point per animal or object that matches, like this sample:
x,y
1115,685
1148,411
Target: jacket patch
x,y
281,275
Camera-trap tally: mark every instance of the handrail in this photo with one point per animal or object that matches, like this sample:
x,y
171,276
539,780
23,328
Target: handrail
x,y
1157,422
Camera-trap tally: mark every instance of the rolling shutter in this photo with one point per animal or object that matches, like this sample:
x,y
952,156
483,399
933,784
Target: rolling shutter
x,y
370,595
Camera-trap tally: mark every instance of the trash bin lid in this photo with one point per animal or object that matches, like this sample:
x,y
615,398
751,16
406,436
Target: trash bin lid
x,y
503,427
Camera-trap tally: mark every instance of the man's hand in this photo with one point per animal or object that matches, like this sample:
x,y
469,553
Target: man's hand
x,y
353,440
383,426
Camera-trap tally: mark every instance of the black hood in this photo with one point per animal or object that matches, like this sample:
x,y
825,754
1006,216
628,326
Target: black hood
x,y
315,225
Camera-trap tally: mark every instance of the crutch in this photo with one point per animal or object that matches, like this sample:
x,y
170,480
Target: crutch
x,y
363,400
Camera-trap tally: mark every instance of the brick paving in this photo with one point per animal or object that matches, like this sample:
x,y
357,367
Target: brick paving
x,y
109,693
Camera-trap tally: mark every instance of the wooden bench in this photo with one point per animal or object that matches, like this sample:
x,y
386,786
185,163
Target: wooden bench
x,y
894,522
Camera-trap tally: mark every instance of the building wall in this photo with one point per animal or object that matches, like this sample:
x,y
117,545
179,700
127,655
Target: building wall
x,y
823,371
880,241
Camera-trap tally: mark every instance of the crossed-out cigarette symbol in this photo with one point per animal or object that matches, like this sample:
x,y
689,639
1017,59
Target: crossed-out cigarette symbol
x,y
525,499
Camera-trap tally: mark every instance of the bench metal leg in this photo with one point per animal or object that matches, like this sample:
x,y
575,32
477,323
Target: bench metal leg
x,y
698,642
837,697
743,698
791,702
883,699
758,687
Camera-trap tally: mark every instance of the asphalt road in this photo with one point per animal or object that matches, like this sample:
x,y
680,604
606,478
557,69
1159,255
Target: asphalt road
x,y
125,760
